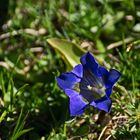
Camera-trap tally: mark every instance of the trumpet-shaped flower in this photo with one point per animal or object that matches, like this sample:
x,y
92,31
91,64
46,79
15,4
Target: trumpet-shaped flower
x,y
88,84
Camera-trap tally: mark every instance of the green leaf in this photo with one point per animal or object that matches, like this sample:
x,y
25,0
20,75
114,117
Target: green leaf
x,y
83,130
100,45
70,51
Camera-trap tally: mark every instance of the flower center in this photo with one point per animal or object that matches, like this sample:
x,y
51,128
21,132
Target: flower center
x,y
91,86
98,92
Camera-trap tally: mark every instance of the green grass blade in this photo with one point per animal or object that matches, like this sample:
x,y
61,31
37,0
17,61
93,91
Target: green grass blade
x,y
3,116
21,89
11,93
2,84
18,130
20,133
17,124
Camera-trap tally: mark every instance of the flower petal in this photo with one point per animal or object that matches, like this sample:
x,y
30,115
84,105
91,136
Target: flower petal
x,y
89,63
112,78
78,70
71,92
108,92
102,104
77,104
102,71
67,80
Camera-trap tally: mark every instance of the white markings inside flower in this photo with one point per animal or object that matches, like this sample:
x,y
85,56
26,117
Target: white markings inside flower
x,y
76,87
97,92
92,87
89,92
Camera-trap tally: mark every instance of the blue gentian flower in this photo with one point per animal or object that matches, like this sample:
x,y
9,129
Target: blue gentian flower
x,y
88,84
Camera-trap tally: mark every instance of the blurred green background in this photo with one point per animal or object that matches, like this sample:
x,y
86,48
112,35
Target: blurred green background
x,y
41,39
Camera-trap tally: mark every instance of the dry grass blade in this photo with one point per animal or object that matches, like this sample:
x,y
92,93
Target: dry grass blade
x,y
119,43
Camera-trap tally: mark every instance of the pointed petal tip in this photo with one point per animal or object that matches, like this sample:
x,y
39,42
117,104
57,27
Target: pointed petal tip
x,y
78,70
67,80
116,71
77,105
103,104
89,62
114,75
